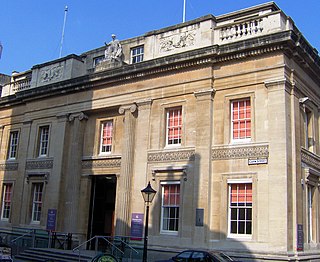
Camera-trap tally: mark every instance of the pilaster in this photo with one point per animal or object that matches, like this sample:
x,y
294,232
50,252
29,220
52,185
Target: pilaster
x,y
202,174
74,150
124,184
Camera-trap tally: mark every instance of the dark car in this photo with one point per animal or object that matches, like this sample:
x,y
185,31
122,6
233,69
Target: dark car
x,y
200,256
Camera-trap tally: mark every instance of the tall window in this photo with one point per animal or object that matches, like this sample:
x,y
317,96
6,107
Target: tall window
x,y
174,126
137,54
43,140
13,145
37,202
241,120
240,209
6,201
106,137
311,214
308,129
170,207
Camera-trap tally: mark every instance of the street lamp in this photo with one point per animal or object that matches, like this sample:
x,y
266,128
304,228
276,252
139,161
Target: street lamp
x,y
148,194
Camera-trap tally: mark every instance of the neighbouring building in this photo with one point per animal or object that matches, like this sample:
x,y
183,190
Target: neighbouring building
x,y
220,114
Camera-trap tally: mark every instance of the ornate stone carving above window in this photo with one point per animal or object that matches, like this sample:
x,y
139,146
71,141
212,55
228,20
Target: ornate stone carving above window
x,y
237,152
9,166
310,159
101,163
164,156
39,164
37,177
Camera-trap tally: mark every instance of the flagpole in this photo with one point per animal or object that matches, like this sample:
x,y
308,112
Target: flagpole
x,y
63,28
184,11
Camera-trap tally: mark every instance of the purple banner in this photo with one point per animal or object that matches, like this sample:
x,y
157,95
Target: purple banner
x,y
51,219
136,226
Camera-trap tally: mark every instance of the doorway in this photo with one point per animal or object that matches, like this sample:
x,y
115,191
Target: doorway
x,y
102,206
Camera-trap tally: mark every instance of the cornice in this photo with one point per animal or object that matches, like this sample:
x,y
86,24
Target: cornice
x,y
196,58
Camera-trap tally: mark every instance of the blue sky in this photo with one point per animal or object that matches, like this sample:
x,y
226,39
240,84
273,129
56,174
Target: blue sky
x,y
30,31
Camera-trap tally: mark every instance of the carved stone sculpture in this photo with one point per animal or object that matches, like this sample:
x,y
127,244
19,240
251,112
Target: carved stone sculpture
x,y
113,50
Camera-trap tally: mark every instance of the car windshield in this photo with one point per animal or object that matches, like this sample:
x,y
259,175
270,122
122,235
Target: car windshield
x,y
222,257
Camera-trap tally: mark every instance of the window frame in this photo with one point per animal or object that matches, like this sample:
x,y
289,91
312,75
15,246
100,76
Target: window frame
x,y
41,141
101,152
5,202
37,202
169,127
162,211
97,60
13,148
244,120
231,182
137,57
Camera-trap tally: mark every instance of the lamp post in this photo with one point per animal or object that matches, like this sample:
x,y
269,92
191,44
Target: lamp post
x,y
148,194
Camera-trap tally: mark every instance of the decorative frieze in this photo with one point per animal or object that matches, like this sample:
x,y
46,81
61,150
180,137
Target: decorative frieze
x,y
51,74
164,156
101,163
9,166
310,159
180,40
238,152
39,164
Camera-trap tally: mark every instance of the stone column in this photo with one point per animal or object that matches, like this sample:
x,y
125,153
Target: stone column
x,y
124,193
202,166
72,172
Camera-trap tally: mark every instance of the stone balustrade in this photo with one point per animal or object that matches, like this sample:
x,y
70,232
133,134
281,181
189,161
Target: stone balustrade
x,y
241,30
21,85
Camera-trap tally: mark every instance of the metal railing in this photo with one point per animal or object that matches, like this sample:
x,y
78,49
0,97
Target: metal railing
x,y
116,246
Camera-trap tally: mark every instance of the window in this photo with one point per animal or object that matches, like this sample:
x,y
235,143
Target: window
x,y
170,207
240,209
308,129
6,201
174,126
37,202
311,214
106,137
137,54
97,60
13,145
43,141
241,120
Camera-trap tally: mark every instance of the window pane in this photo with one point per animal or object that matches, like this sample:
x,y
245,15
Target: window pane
x,y
13,144
170,207
240,208
174,126
43,141
106,137
37,202
241,119
137,54
6,201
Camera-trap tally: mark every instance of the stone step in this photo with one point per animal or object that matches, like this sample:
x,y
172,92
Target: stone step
x,y
45,254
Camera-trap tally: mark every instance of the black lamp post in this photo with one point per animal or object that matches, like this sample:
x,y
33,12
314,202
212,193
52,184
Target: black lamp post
x,y
148,194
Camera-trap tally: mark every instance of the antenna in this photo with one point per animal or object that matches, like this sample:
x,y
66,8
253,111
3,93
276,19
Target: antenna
x,y
63,28
1,47
184,11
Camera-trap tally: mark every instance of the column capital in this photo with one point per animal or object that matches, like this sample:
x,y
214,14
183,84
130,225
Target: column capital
x,y
80,115
144,104
131,107
204,94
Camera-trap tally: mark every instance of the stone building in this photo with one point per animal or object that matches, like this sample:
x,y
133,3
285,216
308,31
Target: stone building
x,y
220,114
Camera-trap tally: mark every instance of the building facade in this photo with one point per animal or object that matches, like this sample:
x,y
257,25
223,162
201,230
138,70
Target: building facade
x,y
220,114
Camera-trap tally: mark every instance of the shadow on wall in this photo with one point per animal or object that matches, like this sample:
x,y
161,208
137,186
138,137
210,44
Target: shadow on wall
x,y
194,210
